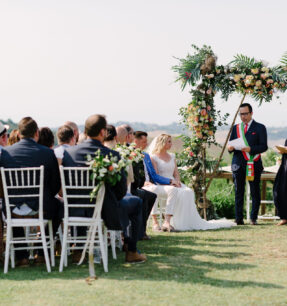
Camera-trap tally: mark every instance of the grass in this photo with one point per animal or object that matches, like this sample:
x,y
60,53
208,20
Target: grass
x,y
240,266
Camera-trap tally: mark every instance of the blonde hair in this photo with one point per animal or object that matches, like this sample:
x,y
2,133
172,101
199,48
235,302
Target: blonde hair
x,y
160,143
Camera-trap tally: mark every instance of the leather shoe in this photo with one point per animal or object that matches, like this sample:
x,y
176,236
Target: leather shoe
x,y
135,257
253,222
24,262
239,222
76,256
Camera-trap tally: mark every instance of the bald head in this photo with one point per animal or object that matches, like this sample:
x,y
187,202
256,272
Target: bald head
x,y
122,134
94,125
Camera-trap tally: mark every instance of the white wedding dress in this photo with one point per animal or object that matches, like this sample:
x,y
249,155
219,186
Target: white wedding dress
x,y
185,214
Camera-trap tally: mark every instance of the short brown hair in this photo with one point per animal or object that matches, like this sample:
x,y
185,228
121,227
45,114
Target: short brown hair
x,y
139,134
27,127
94,124
64,134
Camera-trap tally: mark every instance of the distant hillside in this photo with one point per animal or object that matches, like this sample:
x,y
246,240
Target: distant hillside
x,y
275,134
172,128
12,124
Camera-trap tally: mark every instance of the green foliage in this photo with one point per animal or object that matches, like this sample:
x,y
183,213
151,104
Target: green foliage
x,y
270,158
244,62
221,195
284,59
189,67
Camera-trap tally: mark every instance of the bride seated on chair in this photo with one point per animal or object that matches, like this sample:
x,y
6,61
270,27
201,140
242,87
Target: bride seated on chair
x,y
185,214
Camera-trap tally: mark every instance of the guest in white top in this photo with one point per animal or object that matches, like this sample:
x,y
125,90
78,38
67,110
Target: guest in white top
x,y
111,137
75,128
66,138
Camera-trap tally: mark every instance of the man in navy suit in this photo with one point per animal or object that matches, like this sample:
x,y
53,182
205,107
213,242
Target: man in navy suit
x,y
255,137
118,208
28,153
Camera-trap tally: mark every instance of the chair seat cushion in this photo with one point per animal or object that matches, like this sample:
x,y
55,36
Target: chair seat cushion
x,y
26,222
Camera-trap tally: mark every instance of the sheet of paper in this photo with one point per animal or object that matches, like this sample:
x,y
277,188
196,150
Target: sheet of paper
x,y
282,149
237,143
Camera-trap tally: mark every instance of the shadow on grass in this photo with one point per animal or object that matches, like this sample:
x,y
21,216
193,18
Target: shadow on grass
x,y
170,258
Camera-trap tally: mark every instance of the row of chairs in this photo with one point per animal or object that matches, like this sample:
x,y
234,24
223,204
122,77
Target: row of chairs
x,y
76,184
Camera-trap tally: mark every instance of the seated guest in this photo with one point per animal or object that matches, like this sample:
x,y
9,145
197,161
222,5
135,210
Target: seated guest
x,y
111,137
117,208
122,134
147,197
13,137
46,137
28,153
75,128
66,138
280,190
130,137
3,136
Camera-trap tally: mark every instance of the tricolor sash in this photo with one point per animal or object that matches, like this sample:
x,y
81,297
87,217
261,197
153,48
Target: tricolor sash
x,y
248,157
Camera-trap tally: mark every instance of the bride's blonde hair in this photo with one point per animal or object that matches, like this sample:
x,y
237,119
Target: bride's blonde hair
x,y
160,143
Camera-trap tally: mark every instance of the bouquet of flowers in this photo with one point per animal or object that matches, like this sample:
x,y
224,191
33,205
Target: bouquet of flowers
x,y
105,169
130,154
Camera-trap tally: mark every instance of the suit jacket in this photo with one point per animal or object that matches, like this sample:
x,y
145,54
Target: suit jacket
x,y
155,178
256,137
76,156
139,176
28,153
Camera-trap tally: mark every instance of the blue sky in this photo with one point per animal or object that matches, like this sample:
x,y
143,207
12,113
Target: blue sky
x,y
64,60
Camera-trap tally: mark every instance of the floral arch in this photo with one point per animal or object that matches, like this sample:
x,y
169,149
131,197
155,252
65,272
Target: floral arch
x,y
243,75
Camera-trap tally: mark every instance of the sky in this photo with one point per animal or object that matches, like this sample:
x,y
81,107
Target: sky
x,y
65,60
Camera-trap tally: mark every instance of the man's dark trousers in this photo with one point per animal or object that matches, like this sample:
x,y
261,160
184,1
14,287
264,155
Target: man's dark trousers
x,y
130,209
239,179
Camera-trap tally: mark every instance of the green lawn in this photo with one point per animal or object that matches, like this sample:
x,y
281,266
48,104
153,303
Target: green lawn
x,y
241,266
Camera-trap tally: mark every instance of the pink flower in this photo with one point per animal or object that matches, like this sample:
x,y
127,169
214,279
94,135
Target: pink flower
x,y
208,107
203,112
191,154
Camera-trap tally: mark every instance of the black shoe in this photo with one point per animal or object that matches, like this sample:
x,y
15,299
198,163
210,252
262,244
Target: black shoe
x,y
253,222
239,222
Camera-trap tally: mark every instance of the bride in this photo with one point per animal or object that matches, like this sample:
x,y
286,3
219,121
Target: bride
x,y
185,214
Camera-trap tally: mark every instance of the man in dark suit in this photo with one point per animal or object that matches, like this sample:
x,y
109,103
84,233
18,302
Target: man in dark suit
x,y
148,197
255,138
117,208
28,153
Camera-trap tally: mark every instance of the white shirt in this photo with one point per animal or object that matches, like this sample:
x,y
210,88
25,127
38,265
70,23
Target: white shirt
x,y
248,124
146,173
59,151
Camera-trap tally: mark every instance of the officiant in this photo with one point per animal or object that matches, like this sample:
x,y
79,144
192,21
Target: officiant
x,y
280,189
246,161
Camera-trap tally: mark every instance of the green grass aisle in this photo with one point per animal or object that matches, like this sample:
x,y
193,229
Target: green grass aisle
x,y
240,266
